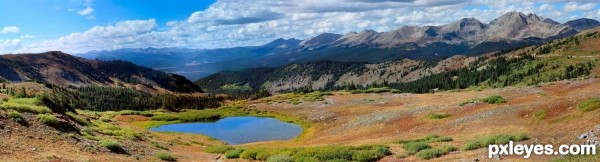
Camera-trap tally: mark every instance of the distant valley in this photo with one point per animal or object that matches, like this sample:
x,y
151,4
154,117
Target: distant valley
x,y
466,36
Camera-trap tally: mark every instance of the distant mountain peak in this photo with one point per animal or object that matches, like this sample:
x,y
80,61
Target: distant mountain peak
x,y
282,43
550,21
320,40
583,24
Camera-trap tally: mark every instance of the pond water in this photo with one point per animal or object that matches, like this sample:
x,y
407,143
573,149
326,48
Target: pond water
x,y
238,130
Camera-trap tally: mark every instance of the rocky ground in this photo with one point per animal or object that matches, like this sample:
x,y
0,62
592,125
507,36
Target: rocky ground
x,y
353,119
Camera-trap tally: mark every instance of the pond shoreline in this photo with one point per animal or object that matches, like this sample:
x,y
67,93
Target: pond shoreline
x,y
238,130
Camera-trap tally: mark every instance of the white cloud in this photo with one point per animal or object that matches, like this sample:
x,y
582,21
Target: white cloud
x,y
10,45
131,33
574,6
229,23
10,29
546,7
27,36
86,11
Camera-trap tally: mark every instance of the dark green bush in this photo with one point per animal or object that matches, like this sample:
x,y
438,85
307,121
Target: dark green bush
x,y
112,146
165,157
494,99
414,147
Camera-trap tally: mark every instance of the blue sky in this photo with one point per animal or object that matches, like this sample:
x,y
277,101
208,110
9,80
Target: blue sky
x,y
50,19
78,26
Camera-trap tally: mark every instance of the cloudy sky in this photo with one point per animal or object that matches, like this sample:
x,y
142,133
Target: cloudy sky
x,y
78,26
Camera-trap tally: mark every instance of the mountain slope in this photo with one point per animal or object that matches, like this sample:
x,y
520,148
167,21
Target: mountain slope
x,y
512,26
557,60
583,24
467,36
62,69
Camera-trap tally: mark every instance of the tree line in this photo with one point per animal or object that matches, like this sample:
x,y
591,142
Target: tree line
x,y
98,98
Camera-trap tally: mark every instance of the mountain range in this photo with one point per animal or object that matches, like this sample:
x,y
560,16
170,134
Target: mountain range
x,y
467,36
61,69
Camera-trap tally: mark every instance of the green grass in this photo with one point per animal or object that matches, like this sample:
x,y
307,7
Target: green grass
x,y
498,139
112,146
218,149
49,119
336,153
493,99
296,98
570,158
132,112
280,158
468,102
78,119
26,101
15,115
232,154
165,156
375,90
414,147
435,152
589,105
428,139
438,115
540,115
32,105
158,145
113,130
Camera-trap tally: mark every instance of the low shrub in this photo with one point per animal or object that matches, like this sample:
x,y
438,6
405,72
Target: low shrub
x,y
589,105
367,155
438,115
468,102
232,154
309,154
113,130
280,158
493,99
158,145
24,106
428,139
15,115
540,115
414,147
132,112
218,149
112,146
49,119
499,139
165,156
435,152
78,119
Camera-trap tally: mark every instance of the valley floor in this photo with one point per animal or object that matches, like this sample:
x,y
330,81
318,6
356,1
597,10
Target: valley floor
x,y
348,119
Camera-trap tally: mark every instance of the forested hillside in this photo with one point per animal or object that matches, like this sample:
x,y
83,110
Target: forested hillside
x,y
560,59
64,70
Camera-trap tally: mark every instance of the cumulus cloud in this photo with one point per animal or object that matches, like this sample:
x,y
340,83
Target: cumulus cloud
x,y
27,36
574,6
10,45
229,23
10,29
86,11
131,33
